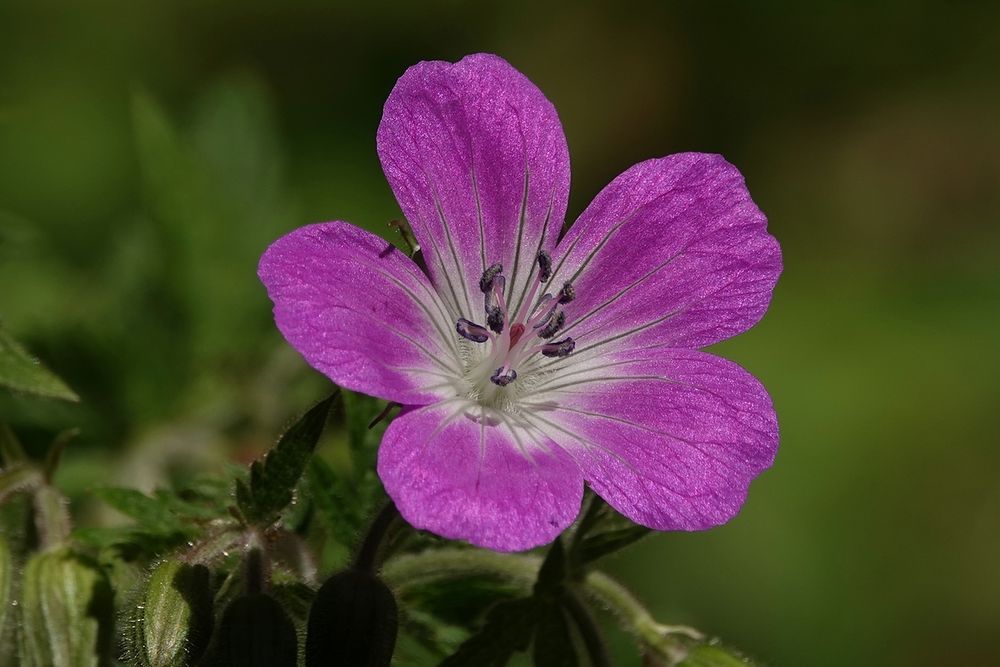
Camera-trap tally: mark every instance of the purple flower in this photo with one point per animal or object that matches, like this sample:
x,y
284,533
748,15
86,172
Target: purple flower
x,y
527,363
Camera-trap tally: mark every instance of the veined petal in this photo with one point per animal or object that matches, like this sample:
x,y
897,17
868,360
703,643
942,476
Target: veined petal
x,y
469,474
672,252
477,159
671,440
361,312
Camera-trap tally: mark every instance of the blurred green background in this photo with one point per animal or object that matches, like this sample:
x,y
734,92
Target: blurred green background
x,y
149,151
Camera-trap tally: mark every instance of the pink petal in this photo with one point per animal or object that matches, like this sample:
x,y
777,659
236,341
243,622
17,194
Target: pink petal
x,y
477,159
672,252
671,440
486,483
361,312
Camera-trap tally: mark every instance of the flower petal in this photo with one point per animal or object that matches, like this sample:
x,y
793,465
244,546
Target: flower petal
x,y
468,475
477,159
673,252
361,312
671,440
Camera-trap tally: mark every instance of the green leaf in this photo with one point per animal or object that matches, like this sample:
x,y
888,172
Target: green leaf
x,y
593,547
362,438
461,601
20,372
553,642
426,639
601,531
509,628
273,480
552,574
714,656
332,495
153,515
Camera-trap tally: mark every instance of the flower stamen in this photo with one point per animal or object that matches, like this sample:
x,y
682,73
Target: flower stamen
x,y
510,347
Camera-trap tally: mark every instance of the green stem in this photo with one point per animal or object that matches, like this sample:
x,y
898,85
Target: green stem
x,y
636,619
590,631
51,517
405,572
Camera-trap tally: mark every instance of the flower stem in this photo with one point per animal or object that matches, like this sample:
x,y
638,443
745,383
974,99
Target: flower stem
x,y
51,517
589,630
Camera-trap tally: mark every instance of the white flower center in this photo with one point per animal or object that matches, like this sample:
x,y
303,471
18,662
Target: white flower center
x,y
495,352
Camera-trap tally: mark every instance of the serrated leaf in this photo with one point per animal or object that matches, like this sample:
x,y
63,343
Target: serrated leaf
x,y
153,515
273,480
593,547
509,628
460,601
328,493
434,637
362,437
20,372
553,642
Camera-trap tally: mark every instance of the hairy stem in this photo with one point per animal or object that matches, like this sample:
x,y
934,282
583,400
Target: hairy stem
x,y
590,631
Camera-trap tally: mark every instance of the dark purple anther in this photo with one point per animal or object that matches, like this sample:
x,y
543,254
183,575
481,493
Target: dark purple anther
x,y
555,324
544,266
567,293
494,319
486,282
472,331
503,376
560,348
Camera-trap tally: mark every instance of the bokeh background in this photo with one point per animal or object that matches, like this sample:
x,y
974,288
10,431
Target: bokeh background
x,y
149,151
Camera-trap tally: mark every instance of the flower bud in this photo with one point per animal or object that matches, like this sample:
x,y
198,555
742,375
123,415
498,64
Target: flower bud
x,y
174,621
66,611
256,632
353,621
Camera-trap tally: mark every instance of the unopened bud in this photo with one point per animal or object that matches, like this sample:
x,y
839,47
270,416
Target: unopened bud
x,y
353,621
66,611
256,632
174,622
